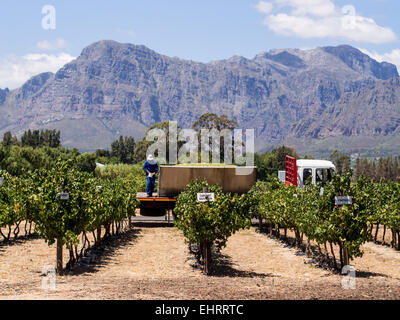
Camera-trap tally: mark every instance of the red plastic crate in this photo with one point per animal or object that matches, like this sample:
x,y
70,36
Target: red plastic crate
x,y
291,171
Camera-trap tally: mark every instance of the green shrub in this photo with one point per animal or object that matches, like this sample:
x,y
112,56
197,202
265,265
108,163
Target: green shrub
x,y
212,223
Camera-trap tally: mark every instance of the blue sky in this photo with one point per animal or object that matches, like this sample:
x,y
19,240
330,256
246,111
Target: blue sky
x,y
198,30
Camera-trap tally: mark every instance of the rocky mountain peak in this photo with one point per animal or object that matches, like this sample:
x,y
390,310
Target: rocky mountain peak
x,y
3,95
286,58
110,49
362,63
34,84
114,88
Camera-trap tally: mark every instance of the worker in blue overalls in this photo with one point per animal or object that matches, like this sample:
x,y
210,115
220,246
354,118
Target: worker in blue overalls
x,y
151,168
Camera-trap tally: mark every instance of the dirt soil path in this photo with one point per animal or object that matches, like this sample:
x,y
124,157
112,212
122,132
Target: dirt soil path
x,y
153,262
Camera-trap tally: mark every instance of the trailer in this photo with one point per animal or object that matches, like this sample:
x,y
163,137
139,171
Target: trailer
x,y
172,180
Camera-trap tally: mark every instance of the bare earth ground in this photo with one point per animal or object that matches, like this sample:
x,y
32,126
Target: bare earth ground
x,y
153,262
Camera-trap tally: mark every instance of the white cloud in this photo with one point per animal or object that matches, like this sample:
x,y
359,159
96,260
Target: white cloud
x,y
264,7
14,70
391,57
46,45
319,8
322,19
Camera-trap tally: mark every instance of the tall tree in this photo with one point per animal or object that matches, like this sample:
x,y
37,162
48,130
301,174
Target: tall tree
x,y
42,138
341,161
124,149
211,121
143,145
7,139
269,163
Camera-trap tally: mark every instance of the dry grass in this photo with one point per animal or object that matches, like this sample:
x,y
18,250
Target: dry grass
x,y
152,261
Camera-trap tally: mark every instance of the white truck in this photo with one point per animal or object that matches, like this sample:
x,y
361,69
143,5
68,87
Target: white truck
x,y
304,171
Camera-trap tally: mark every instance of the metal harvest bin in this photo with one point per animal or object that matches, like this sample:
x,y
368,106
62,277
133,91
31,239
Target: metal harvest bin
x,y
173,180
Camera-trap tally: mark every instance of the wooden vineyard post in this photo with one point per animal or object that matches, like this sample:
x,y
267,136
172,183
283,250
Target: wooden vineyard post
x,y
340,201
206,254
346,261
59,256
206,245
98,235
64,196
207,257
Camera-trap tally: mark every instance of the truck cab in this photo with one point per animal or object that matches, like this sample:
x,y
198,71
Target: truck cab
x,y
305,171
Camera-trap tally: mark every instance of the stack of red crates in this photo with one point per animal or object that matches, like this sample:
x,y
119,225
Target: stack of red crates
x,y
291,171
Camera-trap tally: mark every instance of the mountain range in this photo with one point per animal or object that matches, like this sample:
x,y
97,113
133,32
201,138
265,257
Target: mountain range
x,y
315,100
